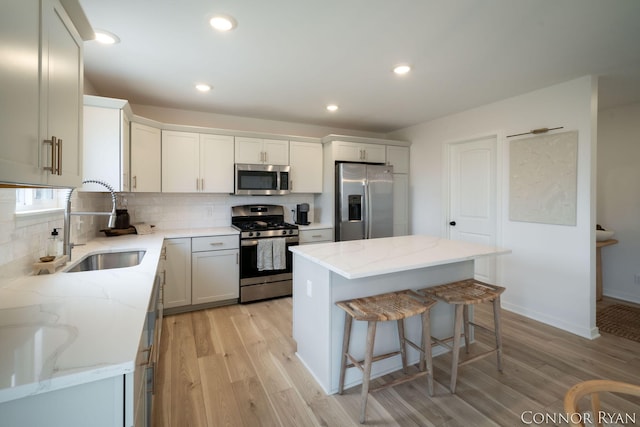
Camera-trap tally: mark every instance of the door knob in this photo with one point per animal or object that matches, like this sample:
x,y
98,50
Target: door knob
x,y
452,223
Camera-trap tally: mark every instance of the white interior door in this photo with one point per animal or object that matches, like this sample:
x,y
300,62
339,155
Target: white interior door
x,y
472,197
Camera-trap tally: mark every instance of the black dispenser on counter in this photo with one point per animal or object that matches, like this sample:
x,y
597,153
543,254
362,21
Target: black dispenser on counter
x,y
302,214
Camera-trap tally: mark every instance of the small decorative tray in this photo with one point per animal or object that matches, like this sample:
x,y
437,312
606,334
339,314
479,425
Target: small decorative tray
x,y
49,266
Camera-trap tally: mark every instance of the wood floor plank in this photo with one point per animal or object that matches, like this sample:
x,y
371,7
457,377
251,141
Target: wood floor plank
x,y
268,371
291,409
186,388
254,404
221,407
202,333
236,366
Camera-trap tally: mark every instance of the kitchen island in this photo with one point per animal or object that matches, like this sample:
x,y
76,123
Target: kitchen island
x,y
329,272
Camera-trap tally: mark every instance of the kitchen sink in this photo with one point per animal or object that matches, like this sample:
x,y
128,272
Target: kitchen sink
x,y
108,260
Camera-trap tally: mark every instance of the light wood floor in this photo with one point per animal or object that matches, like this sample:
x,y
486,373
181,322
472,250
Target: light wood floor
x,y
236,366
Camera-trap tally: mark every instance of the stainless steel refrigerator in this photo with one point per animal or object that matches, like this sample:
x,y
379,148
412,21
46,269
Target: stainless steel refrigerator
x,y
364,201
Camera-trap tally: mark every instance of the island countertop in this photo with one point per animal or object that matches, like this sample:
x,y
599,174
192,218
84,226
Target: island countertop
x,y
356,259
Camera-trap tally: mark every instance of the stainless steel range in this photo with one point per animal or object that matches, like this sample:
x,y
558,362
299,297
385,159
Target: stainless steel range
x,y
265,259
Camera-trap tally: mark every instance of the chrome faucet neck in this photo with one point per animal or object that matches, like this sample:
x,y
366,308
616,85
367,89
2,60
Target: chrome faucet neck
x,y
67,213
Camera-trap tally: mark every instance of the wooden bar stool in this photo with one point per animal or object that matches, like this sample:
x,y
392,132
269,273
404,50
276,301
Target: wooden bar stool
x,y
382,308
462,294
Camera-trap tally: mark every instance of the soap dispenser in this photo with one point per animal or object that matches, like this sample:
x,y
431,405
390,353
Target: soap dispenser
x,y
54,246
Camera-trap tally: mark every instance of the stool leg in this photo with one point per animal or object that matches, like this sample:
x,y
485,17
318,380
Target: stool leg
x,y
498,330
366,374
403,349
465,315
456,347
348,320
426,351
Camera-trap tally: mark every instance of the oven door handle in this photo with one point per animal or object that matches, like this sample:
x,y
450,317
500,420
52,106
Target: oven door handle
x,y
292,240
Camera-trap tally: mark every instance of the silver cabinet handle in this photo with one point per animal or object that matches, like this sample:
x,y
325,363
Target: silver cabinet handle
x,y
216,243
316,236
54,145
135,182
202,184
59,157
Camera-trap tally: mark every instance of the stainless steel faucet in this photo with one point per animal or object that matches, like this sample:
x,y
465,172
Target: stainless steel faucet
x,y
67,214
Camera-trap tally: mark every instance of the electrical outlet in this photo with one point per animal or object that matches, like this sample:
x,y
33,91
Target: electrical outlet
x,y
309,288
636,278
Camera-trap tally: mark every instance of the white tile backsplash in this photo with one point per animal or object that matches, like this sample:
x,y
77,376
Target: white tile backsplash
x,y
24,239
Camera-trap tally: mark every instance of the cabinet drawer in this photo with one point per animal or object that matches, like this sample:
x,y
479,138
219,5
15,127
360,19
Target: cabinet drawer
x,y
212,243
315,236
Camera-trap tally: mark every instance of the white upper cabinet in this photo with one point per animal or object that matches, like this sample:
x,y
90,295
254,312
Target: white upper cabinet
x,y
106,144
145,158
261,151
216,163
41,81
193,162
398,157
305,159
359,152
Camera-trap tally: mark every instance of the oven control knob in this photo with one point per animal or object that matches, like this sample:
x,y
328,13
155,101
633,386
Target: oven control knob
x,y
290,231
284,231
250,233
257,233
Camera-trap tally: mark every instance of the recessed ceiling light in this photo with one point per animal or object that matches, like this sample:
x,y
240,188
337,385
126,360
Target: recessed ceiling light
x,y
203,87
402,69
332,107
223,23
105,37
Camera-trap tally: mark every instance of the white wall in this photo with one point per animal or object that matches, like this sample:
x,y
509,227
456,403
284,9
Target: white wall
x,y
618,203
23,239
550,276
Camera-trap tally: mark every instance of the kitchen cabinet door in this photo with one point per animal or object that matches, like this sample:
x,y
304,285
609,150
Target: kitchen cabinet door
x,y
216,163
305,159
317,235
177,285
398,157
61,92
359,152
106,143
20,145
145,158
41,84
261,151
180,162
276,152
215,276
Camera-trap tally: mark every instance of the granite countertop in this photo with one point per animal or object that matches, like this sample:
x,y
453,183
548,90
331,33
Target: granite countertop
x,y
64,329
363,258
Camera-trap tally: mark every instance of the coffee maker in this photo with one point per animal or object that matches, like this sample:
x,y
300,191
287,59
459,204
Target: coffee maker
x,y
302,214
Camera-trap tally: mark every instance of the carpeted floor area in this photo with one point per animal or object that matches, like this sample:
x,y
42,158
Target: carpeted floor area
x,y
620,320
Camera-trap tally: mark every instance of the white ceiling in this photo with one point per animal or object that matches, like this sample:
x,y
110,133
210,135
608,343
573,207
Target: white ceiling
x,y
287,59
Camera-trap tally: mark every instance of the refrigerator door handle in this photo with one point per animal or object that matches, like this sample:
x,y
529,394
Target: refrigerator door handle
x,y
367,210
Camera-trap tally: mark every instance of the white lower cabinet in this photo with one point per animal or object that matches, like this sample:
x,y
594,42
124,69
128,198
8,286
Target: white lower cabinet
x,y
177,272
98,403
213,271
318,235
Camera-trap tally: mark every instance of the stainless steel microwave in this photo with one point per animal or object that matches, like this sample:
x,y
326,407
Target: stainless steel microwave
x,y
261,180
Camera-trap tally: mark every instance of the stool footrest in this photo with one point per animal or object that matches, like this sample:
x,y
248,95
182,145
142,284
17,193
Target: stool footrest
x,y
478,356
355,363
400,380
